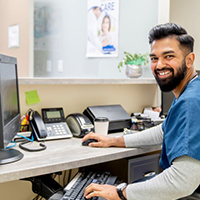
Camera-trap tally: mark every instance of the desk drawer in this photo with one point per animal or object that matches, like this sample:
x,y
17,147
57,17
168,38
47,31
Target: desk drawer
x,y
139,167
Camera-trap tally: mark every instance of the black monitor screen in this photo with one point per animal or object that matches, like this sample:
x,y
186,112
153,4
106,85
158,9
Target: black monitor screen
x,y
9,92
167,99
9,109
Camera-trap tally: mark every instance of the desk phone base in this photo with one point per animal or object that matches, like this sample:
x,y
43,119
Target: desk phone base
x,y
57,131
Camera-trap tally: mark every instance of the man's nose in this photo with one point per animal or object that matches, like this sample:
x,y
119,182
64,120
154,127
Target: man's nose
x,y
160,64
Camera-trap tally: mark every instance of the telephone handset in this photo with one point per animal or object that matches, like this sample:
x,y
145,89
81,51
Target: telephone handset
x,y
38,126
53,128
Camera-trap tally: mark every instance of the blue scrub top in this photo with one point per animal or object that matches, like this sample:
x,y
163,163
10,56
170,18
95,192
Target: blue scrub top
x,y
182,126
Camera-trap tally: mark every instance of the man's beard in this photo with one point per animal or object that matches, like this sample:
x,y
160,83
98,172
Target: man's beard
x,y
168,84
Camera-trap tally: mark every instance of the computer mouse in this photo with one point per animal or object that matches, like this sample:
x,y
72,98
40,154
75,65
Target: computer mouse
x,y
88,141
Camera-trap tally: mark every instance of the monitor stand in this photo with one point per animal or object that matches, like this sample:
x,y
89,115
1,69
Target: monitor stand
x,y
9,156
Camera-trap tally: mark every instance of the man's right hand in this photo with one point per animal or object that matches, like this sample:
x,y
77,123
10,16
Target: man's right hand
x,y
104,140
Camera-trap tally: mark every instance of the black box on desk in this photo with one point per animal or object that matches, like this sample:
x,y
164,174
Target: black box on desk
x,y
118,117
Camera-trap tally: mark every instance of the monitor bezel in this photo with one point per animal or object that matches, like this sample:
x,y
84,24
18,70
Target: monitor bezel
x,y
8,131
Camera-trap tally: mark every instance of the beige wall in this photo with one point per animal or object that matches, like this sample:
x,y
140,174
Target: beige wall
x,y
75,98
186,13
12,13
18,190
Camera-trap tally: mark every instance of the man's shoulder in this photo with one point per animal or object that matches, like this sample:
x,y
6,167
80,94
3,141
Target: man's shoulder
x,y
192,91
189,103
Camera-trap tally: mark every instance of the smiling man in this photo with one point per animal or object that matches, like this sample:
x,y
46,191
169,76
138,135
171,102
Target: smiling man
x,y
172,60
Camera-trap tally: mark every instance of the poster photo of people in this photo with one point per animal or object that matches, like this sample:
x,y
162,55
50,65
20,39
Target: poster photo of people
x,y
102,28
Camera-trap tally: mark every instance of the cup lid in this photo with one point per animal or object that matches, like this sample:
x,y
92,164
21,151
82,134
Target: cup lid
x,y
101,119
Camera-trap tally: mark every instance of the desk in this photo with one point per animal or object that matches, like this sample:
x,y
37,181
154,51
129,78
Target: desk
x,y
62,155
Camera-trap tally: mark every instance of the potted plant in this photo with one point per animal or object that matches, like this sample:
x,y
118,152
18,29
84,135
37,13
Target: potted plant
x,y
133,63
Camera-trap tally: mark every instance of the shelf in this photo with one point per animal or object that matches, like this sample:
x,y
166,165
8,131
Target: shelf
x,y
63,81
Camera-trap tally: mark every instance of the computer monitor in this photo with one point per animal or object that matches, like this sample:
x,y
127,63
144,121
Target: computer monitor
x,y
167,98
9,108
166,101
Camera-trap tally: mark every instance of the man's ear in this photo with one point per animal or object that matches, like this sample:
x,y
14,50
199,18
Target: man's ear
x,y
190,60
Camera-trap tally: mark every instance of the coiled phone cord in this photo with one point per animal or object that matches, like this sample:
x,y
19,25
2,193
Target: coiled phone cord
x,y
21,145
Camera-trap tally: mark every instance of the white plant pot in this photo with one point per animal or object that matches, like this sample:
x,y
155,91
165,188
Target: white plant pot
x,y
133,71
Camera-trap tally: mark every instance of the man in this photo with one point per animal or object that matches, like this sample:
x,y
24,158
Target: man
x,y
93,15
172,60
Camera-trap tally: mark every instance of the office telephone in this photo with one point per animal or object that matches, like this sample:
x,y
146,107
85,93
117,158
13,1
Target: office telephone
x,y
52,126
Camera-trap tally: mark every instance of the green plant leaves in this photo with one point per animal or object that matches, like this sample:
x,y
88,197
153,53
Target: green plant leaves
x,y
134,59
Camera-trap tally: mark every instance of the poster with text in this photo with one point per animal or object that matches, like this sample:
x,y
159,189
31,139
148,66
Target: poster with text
x,y
102,28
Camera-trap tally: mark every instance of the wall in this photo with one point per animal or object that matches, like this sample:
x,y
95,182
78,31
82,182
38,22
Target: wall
x,y
75,98
18,190
12,13
133,37
186,13
22,190
163,11
135,20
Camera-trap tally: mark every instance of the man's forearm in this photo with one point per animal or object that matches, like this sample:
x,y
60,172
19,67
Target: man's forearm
x,y
149,137
145,138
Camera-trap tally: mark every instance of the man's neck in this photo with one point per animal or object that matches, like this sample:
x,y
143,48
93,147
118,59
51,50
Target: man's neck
x,y
179,89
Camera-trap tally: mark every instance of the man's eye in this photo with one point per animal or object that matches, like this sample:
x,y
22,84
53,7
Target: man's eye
x,y
154,59
169,56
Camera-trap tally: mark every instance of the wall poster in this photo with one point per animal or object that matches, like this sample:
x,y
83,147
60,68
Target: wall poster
x,y
102,28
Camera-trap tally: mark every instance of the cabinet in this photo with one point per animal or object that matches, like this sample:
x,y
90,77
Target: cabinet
x,y
132,168
141,167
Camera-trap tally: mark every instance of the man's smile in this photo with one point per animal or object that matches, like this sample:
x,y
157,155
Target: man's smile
x,y
162,74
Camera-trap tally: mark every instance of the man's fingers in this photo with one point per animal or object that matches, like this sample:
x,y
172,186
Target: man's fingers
x,y
90,135
91,188
95,144
93,194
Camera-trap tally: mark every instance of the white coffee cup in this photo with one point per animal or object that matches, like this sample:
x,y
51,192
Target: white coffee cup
x,y
101,125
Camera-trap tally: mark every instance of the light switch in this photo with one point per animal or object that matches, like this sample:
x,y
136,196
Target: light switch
x,y
48,65
60,65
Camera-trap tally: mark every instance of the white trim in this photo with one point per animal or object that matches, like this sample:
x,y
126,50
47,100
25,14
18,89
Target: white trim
x,y
61,81
163,11
31,39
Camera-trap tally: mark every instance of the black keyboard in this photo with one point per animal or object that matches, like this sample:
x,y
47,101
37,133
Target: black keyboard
x,y
75,189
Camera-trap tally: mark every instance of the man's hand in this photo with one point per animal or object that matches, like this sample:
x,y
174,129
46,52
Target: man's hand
x,y
108,192
104,141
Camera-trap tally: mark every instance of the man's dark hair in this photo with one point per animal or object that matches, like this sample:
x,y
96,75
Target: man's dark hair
x,y
170,30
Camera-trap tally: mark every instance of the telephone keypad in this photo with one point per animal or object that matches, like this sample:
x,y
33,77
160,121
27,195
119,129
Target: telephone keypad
x,y
57,129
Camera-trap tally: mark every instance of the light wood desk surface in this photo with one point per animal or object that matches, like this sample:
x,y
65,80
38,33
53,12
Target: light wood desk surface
x,y
62,155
